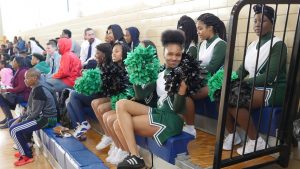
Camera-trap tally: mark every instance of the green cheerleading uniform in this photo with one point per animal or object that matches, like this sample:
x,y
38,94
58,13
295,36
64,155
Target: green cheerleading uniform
x,y
165,113
146,94
212,54
276,84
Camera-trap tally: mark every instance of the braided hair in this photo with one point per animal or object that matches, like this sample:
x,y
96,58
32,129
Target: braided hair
x,y
218,26
188,26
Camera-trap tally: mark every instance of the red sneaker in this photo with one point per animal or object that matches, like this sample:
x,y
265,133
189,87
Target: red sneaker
x,y
17,154
23,160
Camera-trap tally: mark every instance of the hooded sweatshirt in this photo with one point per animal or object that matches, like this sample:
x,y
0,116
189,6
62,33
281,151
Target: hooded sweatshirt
x,y
43,67
70,65
135,34
117,31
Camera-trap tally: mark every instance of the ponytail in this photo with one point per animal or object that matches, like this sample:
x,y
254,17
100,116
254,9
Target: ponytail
x,y
218,26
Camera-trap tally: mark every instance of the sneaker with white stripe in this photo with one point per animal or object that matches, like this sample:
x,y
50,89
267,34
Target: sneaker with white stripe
x,y
131,162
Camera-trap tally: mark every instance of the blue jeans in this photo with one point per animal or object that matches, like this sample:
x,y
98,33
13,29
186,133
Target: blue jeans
x,y
76,104
57,84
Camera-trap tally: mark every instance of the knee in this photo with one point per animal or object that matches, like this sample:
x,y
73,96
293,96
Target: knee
x,y
110,120
94,103
100,110
105,117
120,105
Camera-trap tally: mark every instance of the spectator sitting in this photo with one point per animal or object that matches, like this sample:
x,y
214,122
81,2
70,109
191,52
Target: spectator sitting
x,y
78,101
21,44
132,35
66,33
53,57
27,58
17,94
41,112
88,47
38,62
69,69
6,74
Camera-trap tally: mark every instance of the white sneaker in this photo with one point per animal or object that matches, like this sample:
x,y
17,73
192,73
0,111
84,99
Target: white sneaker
x,y
120,156
227,144
190,130
105,141
81,129
249,148
112,155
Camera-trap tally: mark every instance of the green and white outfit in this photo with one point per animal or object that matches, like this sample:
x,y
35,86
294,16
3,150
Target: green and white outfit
x,y
275,66
211,53
165,115
192,50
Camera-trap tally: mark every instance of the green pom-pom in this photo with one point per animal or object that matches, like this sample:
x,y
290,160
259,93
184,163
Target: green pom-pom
x,y
215,82
142,65
90,82
127,94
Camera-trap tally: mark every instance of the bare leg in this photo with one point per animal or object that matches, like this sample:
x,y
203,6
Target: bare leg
x,y
133,118
201,94
109,118
96,102
120,136
189,115
105,107
244,114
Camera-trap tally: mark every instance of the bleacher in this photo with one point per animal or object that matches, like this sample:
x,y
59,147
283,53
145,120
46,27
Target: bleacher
x,y
71,153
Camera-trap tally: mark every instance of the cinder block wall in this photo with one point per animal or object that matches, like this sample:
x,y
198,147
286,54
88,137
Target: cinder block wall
x,y
152,20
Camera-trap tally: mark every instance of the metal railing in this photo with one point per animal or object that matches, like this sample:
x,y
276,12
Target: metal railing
x,y
291,100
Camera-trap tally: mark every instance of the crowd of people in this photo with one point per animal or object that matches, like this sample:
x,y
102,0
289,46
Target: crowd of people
x,y
33,74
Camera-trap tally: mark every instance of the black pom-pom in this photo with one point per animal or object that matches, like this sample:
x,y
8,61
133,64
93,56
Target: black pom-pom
x,y
115,79
245,94
244,98
190,71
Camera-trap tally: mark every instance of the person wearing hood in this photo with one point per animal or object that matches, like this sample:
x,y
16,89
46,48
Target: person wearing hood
x,y
88,47
132,35
114,33
69,69
38,62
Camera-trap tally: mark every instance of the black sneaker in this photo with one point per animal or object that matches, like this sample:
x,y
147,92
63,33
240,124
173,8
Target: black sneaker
x,y
131,162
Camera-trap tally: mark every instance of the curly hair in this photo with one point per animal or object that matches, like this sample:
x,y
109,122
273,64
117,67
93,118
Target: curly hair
x,y
172,36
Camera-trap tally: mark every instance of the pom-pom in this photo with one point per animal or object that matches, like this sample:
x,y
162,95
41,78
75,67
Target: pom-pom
x,y
115,79
188,70
215,83
127,94
90,82
142,65
244,95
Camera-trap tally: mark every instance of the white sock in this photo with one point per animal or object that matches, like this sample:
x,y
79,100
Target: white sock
x,y
190,126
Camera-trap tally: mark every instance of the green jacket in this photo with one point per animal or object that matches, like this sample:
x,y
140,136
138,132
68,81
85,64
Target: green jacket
x,y
43,67
218,55
274,67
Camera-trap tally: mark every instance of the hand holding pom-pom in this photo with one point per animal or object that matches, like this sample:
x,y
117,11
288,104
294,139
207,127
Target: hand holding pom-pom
x,y
189,71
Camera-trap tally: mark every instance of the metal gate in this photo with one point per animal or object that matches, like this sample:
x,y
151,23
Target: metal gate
x,y
291,100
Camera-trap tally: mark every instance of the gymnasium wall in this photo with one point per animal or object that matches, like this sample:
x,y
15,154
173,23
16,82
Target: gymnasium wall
x,y
153,19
